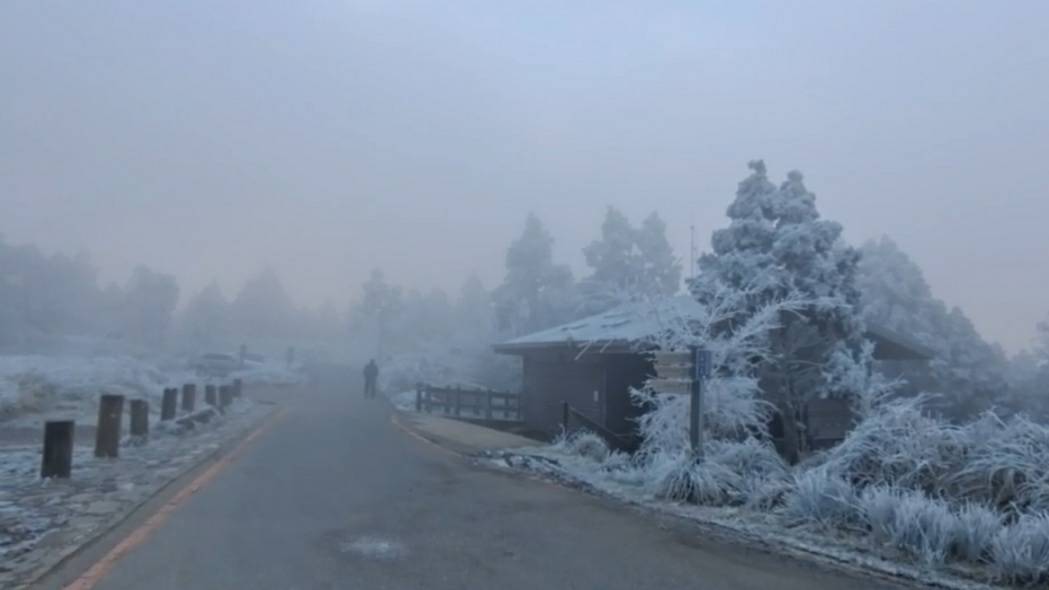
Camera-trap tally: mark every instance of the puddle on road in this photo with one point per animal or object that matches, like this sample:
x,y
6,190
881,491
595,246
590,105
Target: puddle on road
x,y
374,548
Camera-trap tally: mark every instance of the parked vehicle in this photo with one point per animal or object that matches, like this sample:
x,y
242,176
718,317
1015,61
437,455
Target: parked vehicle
x,y
215,364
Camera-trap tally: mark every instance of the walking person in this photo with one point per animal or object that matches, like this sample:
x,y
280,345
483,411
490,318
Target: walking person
x,y
371,377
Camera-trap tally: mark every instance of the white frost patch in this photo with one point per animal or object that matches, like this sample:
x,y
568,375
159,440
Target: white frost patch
x,y
375,548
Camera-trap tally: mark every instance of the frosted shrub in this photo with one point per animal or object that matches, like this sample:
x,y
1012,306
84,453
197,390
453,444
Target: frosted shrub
x,y
732,473
924,527
898,446
589,445
1020,551
824,498
1005,464
878,506
978,527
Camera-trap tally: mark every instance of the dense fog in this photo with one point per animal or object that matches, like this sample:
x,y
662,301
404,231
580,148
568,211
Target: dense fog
x,y
400,181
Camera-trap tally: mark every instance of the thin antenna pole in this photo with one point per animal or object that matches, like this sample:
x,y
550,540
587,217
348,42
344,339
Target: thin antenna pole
x,y
692,252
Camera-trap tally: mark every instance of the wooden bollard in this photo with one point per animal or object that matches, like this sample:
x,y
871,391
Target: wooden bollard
x,y
209,396
238,388
58,449
169,404
107,437
225,396
189,397
139,417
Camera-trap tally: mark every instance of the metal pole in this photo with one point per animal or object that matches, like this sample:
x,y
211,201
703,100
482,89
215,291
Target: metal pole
x,y
696,407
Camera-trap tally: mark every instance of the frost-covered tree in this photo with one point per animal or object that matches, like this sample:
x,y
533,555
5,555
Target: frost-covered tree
x,y
1041,347
776,247
372,317
536,293
205,322
628,263
148,304
661,269
46,298
263,310
968,373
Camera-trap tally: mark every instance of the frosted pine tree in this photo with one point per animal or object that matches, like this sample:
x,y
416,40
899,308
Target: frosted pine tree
x,y
536,293
629,263
660,268
969,372
777,246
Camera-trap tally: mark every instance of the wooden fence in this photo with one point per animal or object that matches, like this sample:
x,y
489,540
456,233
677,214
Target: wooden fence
x,y
617,442
469,403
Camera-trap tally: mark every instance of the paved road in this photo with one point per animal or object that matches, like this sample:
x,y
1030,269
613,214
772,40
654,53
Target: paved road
x,y
335,496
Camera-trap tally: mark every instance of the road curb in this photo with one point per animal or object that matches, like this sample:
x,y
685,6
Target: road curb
x,y
94,537
441,442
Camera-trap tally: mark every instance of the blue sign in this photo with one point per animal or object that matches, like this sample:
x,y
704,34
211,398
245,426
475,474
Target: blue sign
x,y
703,363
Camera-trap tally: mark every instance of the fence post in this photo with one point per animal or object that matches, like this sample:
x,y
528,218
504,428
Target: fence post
x,y
225,396
419,397
169,404
189,397
238,388
107,437
139,417
209,395
58,449
488,406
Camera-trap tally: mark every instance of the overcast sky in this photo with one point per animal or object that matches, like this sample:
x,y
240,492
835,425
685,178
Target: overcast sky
x,y
211,139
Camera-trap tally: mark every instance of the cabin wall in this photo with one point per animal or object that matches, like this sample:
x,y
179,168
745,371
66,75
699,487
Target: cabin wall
x,y
622,373
551,378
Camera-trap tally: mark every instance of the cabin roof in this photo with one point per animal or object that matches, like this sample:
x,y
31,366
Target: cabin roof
x,y
621,328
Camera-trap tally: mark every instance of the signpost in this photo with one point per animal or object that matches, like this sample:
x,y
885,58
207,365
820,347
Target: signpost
x,y
683,373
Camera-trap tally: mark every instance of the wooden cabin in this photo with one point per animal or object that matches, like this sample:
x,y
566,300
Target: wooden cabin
x,y
593,363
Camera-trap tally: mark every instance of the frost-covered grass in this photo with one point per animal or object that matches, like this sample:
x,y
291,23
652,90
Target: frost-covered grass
x,y
36,383
70,385
1021,551
964,499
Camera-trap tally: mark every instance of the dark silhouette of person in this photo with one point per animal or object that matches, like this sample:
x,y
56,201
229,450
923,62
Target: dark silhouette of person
x,y
371,377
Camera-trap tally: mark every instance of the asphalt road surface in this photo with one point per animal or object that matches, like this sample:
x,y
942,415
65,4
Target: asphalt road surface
x,y
335,496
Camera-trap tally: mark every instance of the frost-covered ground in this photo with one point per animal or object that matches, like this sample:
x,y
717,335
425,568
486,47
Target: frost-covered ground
x,y
589,466
32,386
42,521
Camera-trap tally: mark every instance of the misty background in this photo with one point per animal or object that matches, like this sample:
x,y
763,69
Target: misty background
x,y
263,155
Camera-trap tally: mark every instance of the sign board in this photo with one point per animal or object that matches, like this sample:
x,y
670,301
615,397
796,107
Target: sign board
x,y
673,359
674,372
671,386
703,364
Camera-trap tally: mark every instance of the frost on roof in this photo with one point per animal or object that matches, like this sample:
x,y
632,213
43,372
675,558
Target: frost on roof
x,y
627,323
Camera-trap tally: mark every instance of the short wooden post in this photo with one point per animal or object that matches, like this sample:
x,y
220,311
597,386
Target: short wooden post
x,y
189,397
488,405
225,396
107,437
209,396
169,404
139,417
58,449
238,388
418,397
